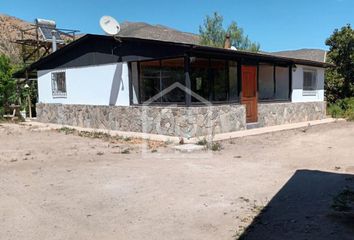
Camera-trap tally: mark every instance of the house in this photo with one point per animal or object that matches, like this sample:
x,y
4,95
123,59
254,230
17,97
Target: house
x,y
106,82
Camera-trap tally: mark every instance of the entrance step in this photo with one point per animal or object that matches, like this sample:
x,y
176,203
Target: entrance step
x,y
252,125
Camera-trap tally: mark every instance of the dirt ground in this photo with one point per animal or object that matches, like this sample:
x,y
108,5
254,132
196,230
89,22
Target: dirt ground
x,y
274,186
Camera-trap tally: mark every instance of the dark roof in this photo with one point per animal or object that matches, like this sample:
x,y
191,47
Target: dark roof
x,y
317,55
157,32
99,49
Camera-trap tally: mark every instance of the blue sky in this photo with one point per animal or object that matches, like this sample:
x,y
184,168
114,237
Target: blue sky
x,y
275,24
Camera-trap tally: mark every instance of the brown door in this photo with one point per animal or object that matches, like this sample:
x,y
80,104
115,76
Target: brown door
x,y
249,92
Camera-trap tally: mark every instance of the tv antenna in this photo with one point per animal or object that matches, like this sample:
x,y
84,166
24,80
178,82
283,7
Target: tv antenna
x,y
110,26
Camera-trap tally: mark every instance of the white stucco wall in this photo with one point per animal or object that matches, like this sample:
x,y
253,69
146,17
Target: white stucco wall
x,y
298,95
93,85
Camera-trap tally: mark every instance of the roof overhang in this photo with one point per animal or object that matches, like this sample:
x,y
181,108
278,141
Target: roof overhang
x,y
193,48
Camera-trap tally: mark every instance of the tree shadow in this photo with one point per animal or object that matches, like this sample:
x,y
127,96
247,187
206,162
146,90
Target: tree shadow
x,y
306,208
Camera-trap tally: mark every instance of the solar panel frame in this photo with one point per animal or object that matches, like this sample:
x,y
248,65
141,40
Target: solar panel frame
x,y
46,32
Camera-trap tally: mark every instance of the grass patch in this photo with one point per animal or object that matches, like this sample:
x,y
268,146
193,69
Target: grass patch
x,y
214,146
202,142
113,139
66,130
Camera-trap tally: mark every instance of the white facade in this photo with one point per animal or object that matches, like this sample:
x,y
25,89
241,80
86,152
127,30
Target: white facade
x,y
92,85
109,85
298,94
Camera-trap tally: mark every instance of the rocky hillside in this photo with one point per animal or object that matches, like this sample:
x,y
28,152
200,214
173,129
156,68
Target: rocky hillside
x,y
157,32
9,32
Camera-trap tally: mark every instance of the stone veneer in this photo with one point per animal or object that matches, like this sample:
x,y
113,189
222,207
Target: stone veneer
x,y
172,121
270,114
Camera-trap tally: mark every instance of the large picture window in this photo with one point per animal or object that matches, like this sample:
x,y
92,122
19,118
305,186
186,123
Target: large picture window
x,y
157,79
213,79
58,84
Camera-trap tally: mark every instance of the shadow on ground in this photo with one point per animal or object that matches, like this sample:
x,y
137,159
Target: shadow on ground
x,y
312,205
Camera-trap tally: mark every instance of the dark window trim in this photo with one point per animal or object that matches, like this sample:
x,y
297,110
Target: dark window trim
x,y
210,83
290,82
130,80
273,98
274,80
160,78
57,94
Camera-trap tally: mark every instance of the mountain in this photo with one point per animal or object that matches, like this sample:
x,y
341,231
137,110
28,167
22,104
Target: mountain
x,y
156,32
9,32
307,54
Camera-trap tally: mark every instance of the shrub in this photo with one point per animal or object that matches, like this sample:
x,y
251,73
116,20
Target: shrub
x,y
215,146
335,111
342,108
202,142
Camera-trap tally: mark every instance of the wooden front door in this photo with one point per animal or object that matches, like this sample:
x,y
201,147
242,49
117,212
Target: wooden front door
x,y
249,92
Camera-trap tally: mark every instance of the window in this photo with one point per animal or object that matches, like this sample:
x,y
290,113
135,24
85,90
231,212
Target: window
x,y
157,76
274,82
150,80
172,71
214,79
233,81
58,84
218,70
266,81
199,75
310,81
282,83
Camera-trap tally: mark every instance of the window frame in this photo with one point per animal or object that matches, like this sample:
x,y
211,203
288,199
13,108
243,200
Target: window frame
x,y
55,91
161,85
274,83
313,91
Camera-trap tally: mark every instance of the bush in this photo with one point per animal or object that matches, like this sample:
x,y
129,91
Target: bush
x,y
335,111
342,108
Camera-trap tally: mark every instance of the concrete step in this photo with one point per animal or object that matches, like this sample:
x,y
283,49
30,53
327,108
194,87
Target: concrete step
x,y
252,125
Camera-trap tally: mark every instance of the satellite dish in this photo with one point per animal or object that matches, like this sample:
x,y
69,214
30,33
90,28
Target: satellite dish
x,y
109,25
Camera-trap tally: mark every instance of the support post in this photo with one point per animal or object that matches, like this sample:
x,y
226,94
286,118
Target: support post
x,y
29,96
187,80
290,82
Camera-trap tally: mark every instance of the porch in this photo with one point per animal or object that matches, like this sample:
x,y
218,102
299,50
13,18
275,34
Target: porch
x,y
210,79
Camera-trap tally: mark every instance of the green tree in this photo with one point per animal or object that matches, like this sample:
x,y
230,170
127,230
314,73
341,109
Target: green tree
x,y
7,83
212,33
340,78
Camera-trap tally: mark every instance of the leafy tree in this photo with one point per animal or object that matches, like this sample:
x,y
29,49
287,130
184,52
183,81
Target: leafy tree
x,y
7,83
340,78
212,33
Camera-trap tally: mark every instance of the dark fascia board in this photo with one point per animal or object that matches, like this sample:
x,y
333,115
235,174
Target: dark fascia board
x,y
236,53
199,48
261,56
59,52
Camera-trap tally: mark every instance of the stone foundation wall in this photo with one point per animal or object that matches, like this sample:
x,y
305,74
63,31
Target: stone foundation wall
x,y
270,114
172,121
